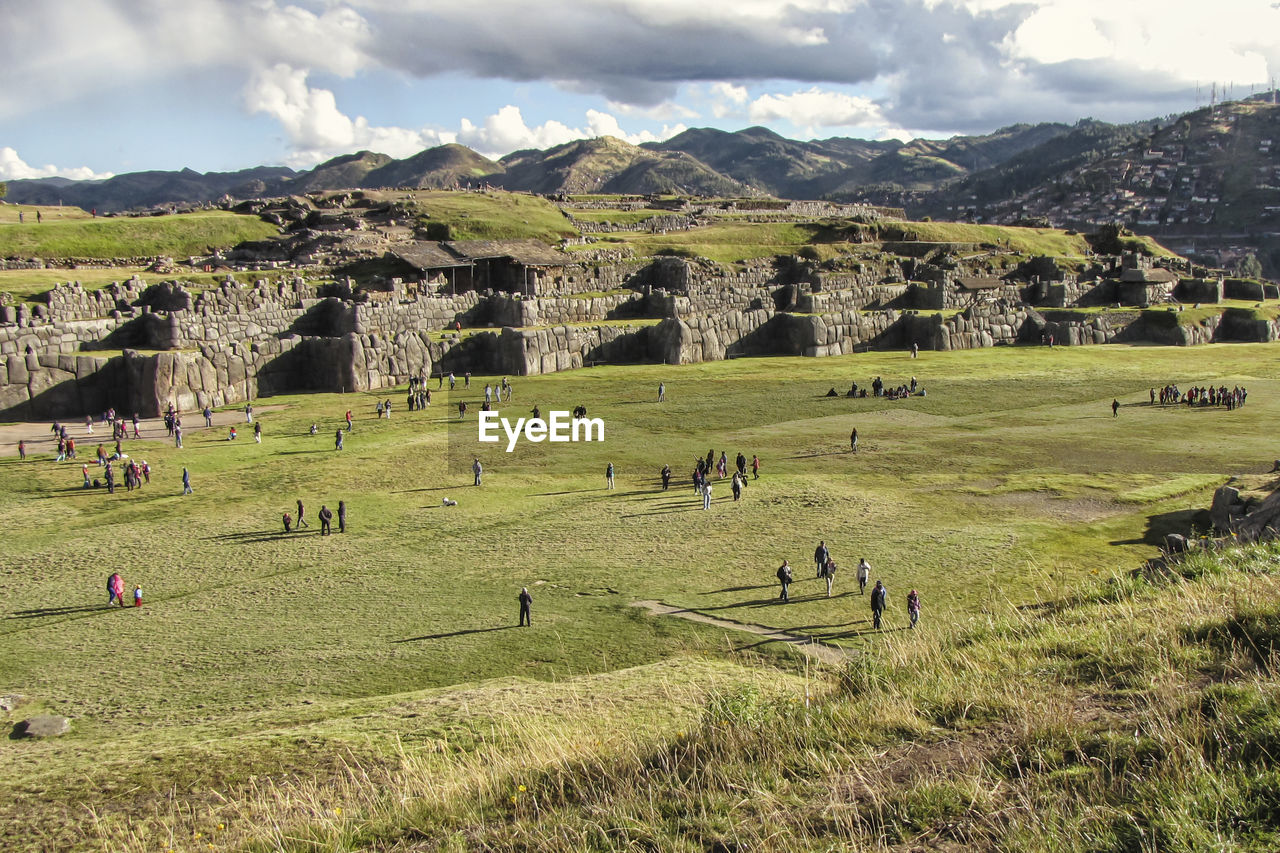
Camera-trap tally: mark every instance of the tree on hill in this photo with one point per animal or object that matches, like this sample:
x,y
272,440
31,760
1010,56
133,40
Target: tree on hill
x,y
1249,267
4,189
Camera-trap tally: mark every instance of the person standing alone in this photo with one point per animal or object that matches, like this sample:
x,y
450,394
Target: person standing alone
x,y
526,604
913,607
608,475
784,578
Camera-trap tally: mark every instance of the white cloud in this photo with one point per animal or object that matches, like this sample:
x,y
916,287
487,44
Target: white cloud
x,y
317,129
1222,41
13,168
816,108
506,131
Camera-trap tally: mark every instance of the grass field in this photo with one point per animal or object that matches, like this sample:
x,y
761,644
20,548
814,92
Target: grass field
x,y
494,216
178,236
392,647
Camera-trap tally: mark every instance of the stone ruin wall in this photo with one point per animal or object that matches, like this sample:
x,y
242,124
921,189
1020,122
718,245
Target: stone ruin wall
x,y
233,343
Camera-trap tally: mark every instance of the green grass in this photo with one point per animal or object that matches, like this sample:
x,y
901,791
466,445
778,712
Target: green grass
x,y
493,216
28,285
258,655
122,237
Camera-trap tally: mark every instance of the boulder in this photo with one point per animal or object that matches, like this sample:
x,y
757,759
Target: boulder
x,y
1226,507
44,725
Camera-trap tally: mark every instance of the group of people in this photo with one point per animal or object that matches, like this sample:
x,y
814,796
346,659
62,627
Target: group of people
x,y
115,591
1230,398
879,389
703,469
325,515
826,571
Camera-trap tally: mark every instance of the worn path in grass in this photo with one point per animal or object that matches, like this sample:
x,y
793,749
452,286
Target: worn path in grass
x,y
808,645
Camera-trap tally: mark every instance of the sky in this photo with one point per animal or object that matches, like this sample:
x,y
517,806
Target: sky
x,y
92,88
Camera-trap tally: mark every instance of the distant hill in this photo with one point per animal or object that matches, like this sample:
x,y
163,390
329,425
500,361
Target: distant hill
x,y
340,173
609,165
1209,178
146,189
435,168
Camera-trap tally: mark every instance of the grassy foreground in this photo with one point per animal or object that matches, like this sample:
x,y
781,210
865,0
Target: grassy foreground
x,y
271,681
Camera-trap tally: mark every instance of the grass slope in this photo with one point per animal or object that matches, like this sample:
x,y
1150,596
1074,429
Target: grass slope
x,y
176,236
1008,484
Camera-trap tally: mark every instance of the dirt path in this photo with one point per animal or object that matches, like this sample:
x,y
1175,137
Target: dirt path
x,y
806,645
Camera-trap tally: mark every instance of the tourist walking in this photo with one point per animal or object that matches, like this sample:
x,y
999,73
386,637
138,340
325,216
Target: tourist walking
x,y
186,481
755,467
337,439
115,589
526,605
477,469
853,440
608,476
913,607
864,573
1115,408
821,555
302,522
248,413
706,494
829,574
342,516
666,477
662,392
326,520
785,578
257,432
879,596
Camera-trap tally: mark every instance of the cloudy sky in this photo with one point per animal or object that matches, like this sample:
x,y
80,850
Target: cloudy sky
x,y
94,87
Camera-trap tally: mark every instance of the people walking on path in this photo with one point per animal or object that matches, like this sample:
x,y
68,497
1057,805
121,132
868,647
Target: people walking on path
x,y
864,573
879,597
785,578
913,607
526,605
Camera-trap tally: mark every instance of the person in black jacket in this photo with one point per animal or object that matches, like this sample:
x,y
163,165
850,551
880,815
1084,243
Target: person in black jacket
x,y
326,519
784,578
526,602
878,596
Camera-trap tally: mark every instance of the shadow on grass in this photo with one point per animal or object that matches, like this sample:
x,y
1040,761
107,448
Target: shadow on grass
x,y
818,453
260,535
1183,521
569,492
461,633
738,589
61,611
435,488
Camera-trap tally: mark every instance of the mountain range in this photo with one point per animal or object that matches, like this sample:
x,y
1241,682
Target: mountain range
x,y
1209,175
